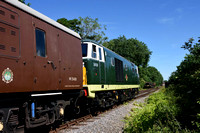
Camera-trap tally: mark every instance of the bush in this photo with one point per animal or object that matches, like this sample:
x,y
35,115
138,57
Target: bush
x,y
142,83
159,112
185,82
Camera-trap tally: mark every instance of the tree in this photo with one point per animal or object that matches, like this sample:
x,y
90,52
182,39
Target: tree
x,y
155,75
150,74
185,82
87,27
131,49
91,29
23,1
138,53
73,24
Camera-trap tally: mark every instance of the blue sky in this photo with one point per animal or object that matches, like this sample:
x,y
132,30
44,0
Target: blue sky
x,y
164,25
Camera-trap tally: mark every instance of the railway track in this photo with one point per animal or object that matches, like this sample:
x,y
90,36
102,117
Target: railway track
x,y
74,124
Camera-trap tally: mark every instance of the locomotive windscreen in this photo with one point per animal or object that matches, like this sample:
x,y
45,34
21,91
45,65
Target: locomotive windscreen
x,y
84,49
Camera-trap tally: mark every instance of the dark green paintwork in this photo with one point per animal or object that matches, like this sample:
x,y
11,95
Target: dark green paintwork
x,y
104,73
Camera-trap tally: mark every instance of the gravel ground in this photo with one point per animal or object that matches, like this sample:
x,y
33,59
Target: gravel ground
x,y
109,122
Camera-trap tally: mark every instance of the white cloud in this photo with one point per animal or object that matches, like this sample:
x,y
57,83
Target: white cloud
x,y
166,20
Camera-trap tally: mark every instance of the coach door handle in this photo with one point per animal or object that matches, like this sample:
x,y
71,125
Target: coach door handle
x,y
52,64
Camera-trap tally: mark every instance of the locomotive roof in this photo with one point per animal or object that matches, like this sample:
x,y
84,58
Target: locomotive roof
x,y
41,16
92,41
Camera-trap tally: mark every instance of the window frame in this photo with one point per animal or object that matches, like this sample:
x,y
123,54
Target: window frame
x,y
94,52
86,50
45,43
112,61
100,54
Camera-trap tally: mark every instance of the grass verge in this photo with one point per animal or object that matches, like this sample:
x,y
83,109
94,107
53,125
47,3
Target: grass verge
x,y
157,115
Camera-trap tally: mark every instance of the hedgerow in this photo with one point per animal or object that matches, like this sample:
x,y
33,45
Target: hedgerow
x,y
185,82
158,114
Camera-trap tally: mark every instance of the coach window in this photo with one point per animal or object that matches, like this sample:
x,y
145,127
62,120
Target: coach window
x,y
94,53
40,43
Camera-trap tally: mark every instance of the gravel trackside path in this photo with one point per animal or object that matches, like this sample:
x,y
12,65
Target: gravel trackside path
x,y
108,122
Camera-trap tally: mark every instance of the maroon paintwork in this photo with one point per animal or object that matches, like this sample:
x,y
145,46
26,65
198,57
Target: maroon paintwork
x,y
32,72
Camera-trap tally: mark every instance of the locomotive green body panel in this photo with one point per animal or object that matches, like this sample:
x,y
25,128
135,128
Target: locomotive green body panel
x,y
107,70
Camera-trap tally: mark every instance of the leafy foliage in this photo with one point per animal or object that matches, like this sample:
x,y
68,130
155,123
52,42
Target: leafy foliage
x,y
132,49
91,29
87,27
150,74
23,1
137,52
157,115
185,82
72,24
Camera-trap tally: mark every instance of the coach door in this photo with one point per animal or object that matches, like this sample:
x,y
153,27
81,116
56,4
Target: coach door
x,y
46,65
101,65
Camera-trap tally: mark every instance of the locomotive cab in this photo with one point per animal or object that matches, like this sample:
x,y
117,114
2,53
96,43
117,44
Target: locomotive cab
x,y
94,62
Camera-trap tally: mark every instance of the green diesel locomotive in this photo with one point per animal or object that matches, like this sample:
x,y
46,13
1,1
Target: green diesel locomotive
x,y
106,75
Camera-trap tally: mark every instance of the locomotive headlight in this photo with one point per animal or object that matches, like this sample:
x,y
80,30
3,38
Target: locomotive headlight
x,y
1,126
61,111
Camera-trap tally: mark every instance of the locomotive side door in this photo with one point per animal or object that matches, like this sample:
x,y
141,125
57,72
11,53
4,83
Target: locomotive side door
x,y
46,65
101,65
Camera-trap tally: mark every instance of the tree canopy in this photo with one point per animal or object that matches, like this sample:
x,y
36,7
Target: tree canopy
x,y
138,53
150,74
185,82
73,24
87,27
132,49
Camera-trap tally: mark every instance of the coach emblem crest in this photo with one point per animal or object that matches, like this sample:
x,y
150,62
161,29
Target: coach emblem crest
x,y
7,76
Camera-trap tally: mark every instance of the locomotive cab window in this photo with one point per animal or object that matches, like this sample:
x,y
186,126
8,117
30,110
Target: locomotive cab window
x,y
84,49
100,56
40,43
94,53
112,61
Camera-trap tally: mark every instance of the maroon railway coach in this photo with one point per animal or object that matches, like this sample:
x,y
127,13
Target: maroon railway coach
x,y
40,66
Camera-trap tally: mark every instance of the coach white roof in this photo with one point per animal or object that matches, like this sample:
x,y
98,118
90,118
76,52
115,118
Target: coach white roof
x,y
41,16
